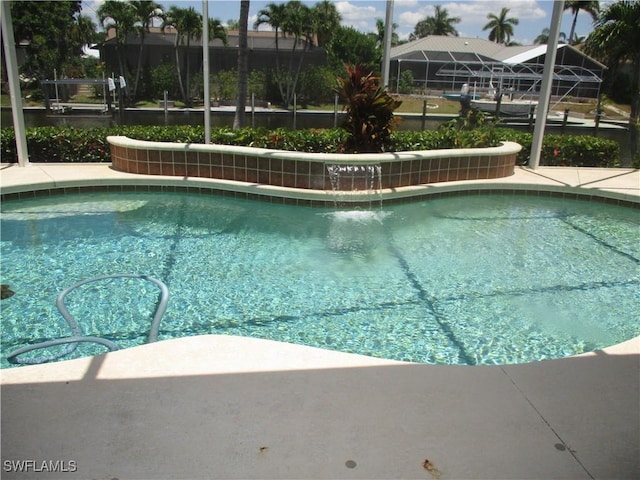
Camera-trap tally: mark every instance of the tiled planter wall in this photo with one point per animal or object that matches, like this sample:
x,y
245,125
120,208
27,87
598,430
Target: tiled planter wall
x,y
309,170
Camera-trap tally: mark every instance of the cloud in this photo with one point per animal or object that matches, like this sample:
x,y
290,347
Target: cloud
x,y
90,9
472,13
406,3
360,16
475,12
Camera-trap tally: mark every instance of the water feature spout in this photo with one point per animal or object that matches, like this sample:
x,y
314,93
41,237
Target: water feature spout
x,y
356,178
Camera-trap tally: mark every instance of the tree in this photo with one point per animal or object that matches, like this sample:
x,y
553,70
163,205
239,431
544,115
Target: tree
x,y
617,36
543,38
440,24
188,25
45,29
300,24
121,17
500,27
273,15
145,11
293,19
395,40
349,46
233,24
83,32
217,30
243,69
326,19
592,7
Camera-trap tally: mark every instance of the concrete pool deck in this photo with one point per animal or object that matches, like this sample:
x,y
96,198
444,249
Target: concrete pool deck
x,y
229,407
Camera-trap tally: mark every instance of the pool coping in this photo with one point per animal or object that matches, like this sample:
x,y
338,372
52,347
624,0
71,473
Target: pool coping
x,y
235,407
616,184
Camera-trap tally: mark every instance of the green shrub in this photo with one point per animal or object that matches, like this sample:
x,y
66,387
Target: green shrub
x,y
566,150
316,86
164,77
55,145
368,110
405,85
64,144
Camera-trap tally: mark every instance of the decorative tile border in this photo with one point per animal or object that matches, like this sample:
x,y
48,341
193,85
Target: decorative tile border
x,y
462,190
298,170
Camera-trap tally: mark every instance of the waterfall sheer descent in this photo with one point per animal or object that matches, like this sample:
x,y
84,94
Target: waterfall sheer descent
x,y
356,178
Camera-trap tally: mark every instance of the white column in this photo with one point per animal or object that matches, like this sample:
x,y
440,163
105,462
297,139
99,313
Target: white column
x,y
547,81
388,33
14,84
205,71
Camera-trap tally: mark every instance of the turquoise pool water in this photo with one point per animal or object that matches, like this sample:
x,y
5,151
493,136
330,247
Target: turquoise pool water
x,y
483,279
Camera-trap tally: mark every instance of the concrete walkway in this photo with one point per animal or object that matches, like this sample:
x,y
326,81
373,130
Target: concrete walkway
x,y
229,407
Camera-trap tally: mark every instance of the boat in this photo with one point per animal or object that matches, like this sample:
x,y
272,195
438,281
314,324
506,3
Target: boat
x,y
507,107
459,96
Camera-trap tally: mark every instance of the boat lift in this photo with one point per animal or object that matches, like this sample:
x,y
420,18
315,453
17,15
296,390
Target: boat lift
x,y
58,105
523,79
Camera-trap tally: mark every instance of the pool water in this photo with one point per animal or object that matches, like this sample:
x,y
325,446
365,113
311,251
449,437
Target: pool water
x,y
482,279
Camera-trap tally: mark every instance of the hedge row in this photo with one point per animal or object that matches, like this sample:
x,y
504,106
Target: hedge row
x,y
55,144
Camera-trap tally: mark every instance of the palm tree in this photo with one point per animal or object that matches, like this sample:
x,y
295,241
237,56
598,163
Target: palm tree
x,y
233,24
616,37
217,30
273,15
145,12
300,24
592,7
291,19
500,27
543,38
440,24
121,17
188,25
379,35
83,32
243,69
326,19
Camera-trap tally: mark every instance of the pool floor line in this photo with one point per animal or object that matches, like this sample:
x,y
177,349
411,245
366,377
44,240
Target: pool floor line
x,y
171,259
542,290
563,218
599,240
426,301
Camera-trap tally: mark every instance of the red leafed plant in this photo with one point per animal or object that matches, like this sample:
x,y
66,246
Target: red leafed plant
x,y
369,110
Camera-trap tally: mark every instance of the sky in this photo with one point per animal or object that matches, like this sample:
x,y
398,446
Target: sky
x,y
533,15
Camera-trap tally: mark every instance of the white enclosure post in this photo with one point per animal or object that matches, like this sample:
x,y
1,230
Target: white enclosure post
x,y
14,84
547,81
388,33
205,71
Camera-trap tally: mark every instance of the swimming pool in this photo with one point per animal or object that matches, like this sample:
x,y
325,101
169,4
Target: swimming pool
x,y
482,279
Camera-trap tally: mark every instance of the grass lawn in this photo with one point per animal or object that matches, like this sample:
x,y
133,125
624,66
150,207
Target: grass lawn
x,y
439,105
410,104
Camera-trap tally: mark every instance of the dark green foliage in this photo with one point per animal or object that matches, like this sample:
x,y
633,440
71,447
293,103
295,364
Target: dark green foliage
x,y
368,108
469,120
405,85
45,28
566,150
54,144
350,46
164,77
316,86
